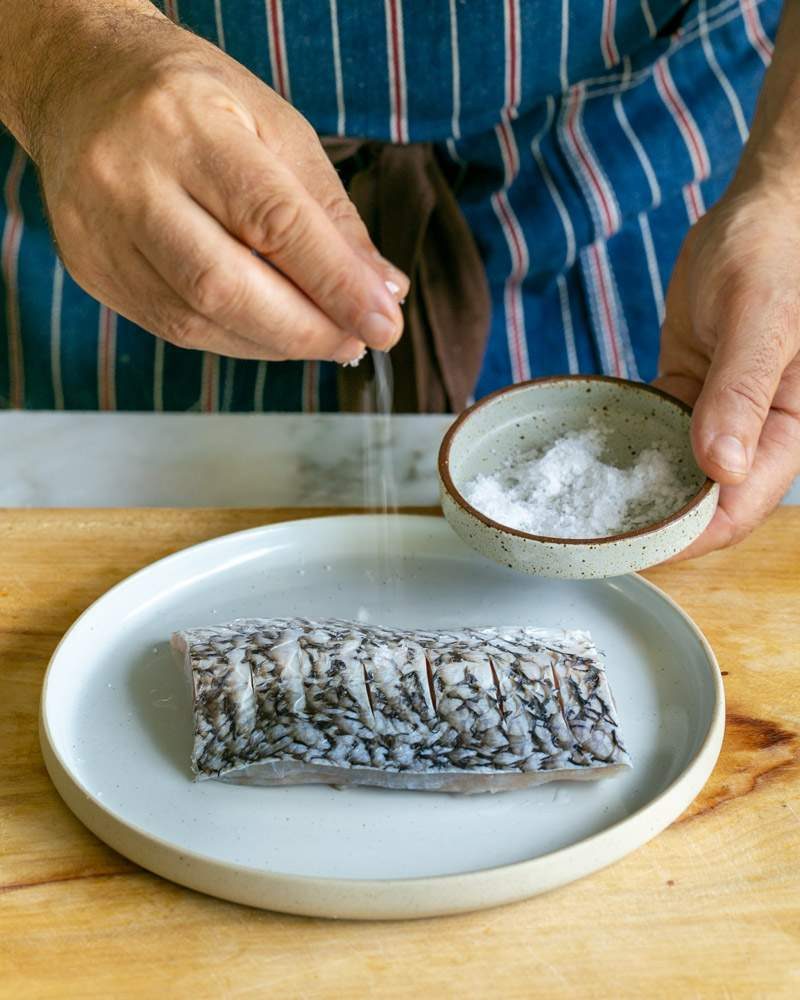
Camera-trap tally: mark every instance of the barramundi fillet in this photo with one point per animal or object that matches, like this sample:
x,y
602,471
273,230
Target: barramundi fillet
x,y
292,701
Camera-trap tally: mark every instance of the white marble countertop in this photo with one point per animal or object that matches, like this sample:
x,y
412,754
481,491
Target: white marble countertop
x,y
226,460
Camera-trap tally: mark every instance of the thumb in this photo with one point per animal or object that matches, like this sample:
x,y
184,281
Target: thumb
x,y
746,368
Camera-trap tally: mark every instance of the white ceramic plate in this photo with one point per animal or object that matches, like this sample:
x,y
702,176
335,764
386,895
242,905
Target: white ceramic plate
x,y
116,727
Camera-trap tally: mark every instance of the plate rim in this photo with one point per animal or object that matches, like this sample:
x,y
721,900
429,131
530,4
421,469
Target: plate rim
x,y
663,808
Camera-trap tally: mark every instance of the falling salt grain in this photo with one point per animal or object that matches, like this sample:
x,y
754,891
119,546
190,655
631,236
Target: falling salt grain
x,y
568,491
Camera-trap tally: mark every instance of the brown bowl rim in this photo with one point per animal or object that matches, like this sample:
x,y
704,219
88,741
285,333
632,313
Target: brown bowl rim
x,y
450,487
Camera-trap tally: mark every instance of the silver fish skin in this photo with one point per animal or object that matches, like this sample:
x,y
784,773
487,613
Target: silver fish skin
x,y
296,701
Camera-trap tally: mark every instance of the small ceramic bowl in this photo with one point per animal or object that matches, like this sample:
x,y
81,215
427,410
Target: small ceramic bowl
x,y
531,416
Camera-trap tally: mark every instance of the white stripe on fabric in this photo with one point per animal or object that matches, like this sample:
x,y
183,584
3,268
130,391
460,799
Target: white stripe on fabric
x,y
277,49
337,69
398,116
12,238
605,215
719,73
512,296
558,201
647,14
258,392
219,23
508,150
455,59
652,265
452,152
158,375
687,126
227,392
566,322
563,62
756,34
509,223
608,42
633,139
592,180
55,334
693,200
610,83
513,48
601,305
604,302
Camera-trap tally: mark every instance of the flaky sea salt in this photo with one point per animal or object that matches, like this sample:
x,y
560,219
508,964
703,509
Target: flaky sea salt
x,y
568,491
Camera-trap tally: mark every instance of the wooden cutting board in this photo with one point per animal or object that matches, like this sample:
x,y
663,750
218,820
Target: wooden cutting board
x,y
711,908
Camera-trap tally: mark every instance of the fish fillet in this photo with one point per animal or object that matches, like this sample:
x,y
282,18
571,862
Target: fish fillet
x,y
294,701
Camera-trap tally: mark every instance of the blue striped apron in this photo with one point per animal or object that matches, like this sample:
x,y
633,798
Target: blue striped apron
x,y
582,138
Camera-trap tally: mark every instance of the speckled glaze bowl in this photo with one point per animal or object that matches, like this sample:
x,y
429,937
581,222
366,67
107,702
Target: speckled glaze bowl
x,y
533,415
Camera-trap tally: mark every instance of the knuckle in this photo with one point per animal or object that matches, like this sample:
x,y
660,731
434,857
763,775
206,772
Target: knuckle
x,y
298,345
156,102
273,225
341,287
182,331
339,209
96,164
752,391
212,291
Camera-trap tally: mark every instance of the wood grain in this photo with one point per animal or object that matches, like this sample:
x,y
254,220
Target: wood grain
x,y
711,908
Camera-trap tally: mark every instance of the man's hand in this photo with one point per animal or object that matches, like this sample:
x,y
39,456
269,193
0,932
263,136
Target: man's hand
x,y
731,347
731,338
165,164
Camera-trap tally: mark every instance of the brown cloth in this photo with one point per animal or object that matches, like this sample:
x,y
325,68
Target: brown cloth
x,y
414,220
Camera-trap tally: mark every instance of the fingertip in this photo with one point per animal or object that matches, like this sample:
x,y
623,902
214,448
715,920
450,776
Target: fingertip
x,y
351,352
722,456
377,330
396,281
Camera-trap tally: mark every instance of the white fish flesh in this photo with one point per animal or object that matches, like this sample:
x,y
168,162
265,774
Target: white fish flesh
x,y
294,701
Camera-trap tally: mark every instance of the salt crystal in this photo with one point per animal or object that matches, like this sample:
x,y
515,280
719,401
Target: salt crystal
x,y
568,491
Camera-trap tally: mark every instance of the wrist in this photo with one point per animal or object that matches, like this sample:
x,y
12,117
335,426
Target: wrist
x,y
48,54
771,157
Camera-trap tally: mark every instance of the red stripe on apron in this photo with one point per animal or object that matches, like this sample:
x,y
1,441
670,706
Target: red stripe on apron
x,y
609,319
106,359
280,69
12,238
683,119
397,74
609,215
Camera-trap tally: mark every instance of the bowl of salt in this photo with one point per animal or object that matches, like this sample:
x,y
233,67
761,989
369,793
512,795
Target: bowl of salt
x,y
575,476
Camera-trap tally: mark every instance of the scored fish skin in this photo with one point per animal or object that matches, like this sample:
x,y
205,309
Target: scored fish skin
x,y
290,701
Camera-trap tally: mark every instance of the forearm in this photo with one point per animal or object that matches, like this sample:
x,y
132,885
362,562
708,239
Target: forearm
x,y
45,44
772,153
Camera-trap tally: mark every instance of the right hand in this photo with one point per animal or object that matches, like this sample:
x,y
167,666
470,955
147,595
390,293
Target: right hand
x,y
164,164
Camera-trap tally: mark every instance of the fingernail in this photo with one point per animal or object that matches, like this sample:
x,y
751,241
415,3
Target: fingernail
x,y
729,453
377,330
350,351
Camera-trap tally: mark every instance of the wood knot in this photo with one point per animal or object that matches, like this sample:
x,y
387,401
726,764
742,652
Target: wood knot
x,y
754,751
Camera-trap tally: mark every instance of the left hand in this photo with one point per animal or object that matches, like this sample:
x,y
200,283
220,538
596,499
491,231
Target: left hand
x,y
731,348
